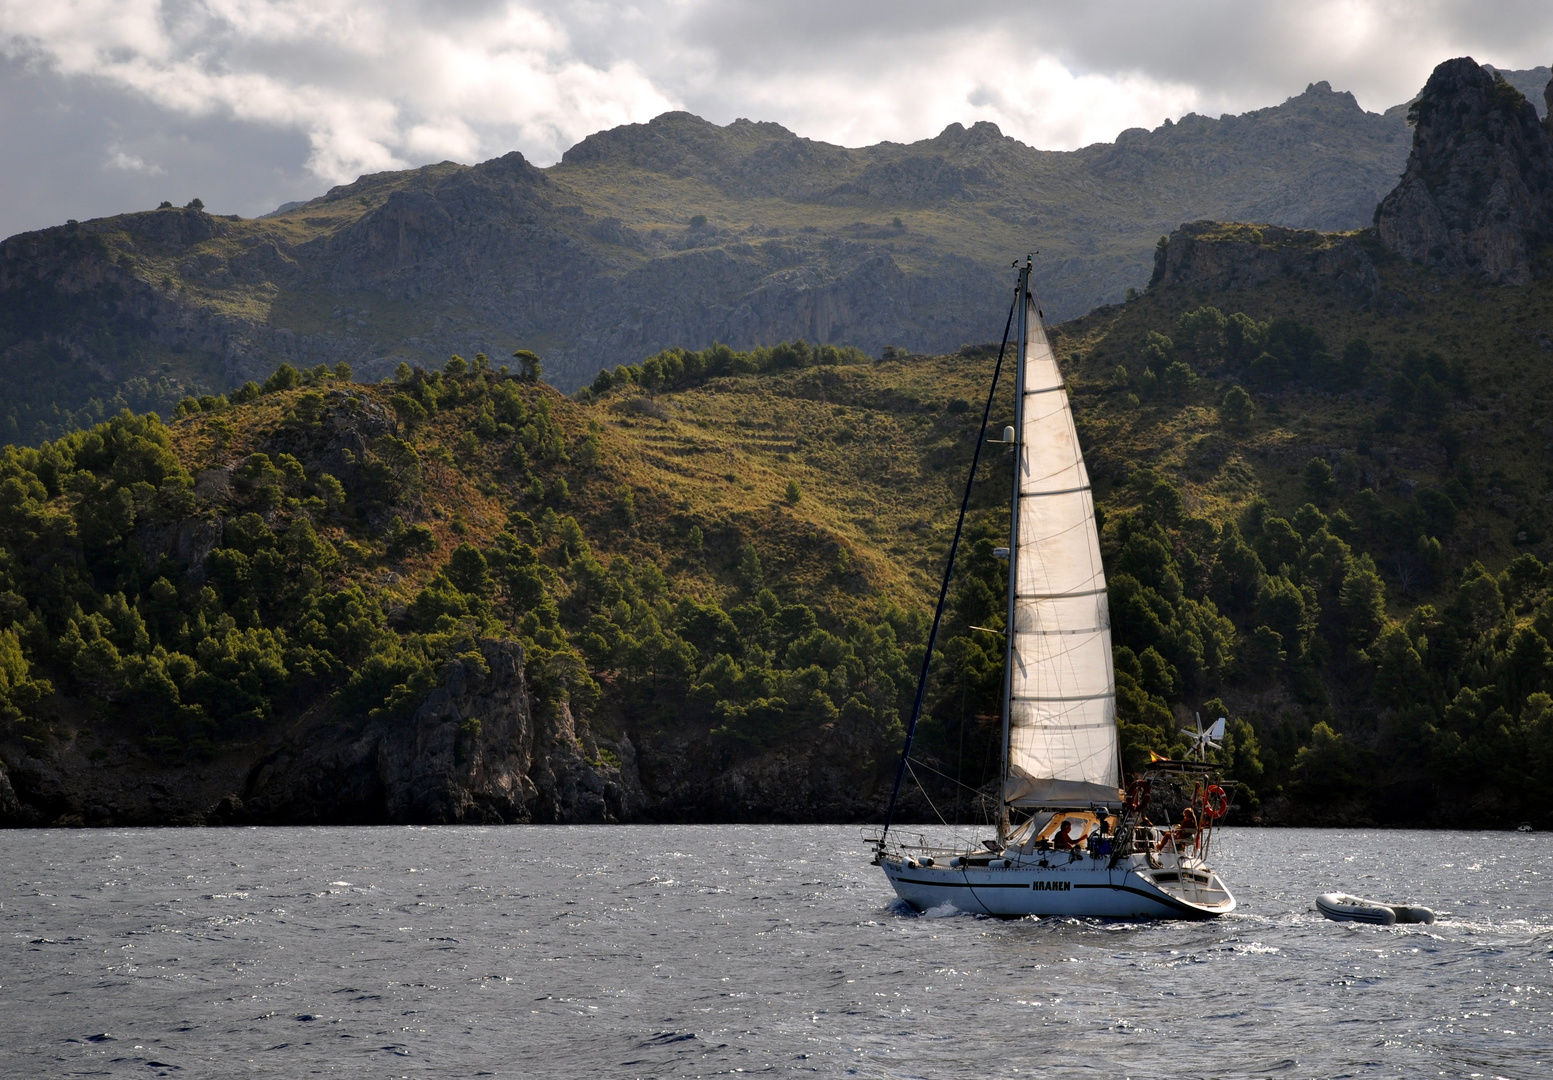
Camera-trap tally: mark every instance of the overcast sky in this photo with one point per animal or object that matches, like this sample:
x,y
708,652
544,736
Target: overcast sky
x,y
111,105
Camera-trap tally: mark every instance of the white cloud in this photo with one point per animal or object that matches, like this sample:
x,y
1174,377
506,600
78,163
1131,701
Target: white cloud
x,y
967,78
118,159
367,85
1058,74
373,85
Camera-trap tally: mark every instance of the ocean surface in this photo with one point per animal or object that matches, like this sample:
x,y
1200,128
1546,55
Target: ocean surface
x,y
686,951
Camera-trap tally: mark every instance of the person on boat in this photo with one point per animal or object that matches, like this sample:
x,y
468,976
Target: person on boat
x,y
1186,832
1064,840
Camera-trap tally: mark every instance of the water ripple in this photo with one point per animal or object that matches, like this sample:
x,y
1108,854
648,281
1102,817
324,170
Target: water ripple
x,y
702,951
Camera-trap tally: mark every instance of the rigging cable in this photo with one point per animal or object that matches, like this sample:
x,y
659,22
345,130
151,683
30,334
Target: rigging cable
x,y
959,840
946,776
925,795
943,591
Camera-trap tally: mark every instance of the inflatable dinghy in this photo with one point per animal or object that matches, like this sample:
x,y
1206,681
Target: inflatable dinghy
x,y
1344,908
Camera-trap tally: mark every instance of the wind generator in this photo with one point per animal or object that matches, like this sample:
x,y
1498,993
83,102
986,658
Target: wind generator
x,y
1202,740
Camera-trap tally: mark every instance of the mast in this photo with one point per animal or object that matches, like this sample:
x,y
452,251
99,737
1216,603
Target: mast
x,y
943,591
1022,304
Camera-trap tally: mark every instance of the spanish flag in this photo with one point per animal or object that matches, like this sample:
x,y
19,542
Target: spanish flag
x,y
1153,757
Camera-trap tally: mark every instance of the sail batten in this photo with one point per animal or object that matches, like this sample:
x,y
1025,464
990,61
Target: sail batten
x,y
1062,739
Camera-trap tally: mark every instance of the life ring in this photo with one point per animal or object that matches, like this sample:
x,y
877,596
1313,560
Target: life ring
x,y
1215,803
1137,795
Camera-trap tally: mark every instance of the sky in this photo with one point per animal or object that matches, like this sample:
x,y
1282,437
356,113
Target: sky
x,y
115,105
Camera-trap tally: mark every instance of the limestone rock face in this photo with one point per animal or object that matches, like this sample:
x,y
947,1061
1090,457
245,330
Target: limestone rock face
x,y
11,810
1212,255
473,751
1477,196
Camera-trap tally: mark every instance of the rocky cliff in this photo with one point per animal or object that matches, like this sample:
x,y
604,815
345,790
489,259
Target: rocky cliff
x,y
472,752
1477,196
1227,257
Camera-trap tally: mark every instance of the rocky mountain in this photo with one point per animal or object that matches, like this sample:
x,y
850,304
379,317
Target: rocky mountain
x,y
1477,195
674,232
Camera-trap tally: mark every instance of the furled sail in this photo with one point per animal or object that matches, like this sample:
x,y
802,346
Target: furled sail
x,y
1062,691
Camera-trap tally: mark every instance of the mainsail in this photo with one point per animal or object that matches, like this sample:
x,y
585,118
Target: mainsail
x,y
1062,741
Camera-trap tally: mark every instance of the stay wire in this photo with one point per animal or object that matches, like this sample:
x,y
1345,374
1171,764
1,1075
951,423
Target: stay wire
x,y
946,776
928,797
943,591
960,838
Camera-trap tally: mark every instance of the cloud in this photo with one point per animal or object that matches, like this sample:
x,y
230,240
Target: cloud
x,y
329,89
118,159
1060,74
967,77
374,85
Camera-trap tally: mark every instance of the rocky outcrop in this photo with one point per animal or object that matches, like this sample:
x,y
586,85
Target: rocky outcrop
x,y
1477,196
474,751
11,810
1216,256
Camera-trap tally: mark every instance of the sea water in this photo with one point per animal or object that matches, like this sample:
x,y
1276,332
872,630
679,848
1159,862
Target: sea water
x,y
685,951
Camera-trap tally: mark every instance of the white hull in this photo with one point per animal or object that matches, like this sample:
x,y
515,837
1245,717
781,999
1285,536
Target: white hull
x,y
1083,887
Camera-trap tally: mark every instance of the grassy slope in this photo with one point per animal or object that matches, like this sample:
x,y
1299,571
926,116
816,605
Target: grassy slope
x,y
880,455
876,453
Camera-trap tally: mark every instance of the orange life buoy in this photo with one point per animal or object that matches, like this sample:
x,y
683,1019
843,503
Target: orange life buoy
x,y
1137,795
1214,802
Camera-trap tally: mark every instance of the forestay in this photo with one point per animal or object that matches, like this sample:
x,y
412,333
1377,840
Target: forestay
x,y
1062,691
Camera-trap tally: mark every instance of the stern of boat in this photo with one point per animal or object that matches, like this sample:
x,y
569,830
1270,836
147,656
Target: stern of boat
x,y
1198,891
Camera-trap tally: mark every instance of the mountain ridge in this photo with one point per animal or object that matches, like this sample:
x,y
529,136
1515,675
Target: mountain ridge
x,y
677,231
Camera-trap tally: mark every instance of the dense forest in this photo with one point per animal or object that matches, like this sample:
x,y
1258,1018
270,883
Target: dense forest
x,y
170,589
111,622
1375,666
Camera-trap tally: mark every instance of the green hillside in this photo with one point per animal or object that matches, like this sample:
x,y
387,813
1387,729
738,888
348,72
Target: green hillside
x,y
1323,519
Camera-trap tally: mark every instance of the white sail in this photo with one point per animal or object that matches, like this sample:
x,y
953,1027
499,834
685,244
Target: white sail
x,y
1062,691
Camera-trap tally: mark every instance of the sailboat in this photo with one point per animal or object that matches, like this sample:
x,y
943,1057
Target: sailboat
x,y
1069,840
